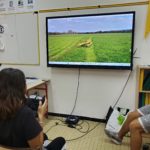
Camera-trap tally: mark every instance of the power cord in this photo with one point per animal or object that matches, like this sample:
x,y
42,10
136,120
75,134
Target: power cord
x,y
111,108
72,120
122,90
88,128
85,132
77,91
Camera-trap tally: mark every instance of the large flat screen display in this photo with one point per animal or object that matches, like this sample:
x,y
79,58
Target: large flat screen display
x,y
91,41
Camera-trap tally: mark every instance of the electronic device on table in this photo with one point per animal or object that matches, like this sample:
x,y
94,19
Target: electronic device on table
x,y
33,101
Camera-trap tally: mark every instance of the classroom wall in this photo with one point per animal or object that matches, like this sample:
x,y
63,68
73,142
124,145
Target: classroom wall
x,y
98,88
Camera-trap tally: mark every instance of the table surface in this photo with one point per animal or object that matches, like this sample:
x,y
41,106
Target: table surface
x,y
32,83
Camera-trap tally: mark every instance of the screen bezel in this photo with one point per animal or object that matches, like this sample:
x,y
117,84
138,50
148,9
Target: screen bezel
x,y
92,66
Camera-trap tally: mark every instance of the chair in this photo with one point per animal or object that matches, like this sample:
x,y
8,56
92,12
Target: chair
x,y
58,143
16,148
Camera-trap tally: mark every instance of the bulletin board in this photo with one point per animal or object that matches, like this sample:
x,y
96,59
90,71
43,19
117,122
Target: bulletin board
x,y
19,39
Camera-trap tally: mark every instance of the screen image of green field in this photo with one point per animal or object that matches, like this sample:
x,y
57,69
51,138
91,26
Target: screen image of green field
x,y
96,47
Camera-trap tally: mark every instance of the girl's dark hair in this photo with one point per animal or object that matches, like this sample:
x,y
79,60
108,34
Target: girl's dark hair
x,y
12,92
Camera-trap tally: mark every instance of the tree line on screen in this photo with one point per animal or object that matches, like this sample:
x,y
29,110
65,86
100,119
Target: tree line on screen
x,y
74,32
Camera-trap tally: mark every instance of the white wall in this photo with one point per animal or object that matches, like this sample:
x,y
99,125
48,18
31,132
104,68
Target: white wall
x,y
98,89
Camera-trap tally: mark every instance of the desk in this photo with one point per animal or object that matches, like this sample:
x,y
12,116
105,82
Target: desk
x,y
36,83
33,84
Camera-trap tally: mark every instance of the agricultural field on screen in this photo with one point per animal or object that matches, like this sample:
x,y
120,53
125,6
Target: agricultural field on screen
x,y
103,47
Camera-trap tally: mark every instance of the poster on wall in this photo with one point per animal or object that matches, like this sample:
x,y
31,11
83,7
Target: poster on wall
x,y
31,4
11,7
21,5
2,6
17,6
2,37
26,5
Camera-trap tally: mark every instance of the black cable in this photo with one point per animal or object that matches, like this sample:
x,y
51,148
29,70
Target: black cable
x,y
126,81
84,134
58,119
122,90
78,127
134,51
50,129
134,54
82,128
81,122
77,91
88,131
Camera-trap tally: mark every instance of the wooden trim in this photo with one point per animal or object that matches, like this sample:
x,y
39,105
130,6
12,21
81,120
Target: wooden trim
x,y
95,7
4,63
38,32
17,13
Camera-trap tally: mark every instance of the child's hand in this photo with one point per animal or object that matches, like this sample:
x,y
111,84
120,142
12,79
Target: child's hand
x,y
42,109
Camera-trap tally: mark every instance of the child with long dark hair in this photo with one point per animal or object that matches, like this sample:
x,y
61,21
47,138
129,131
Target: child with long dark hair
x,y
18,125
